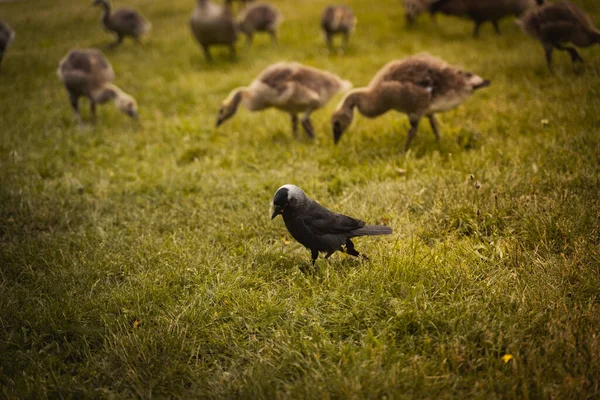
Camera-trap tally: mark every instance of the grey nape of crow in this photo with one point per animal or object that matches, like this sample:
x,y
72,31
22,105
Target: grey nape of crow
x,y
555,24
317,228
418,86
123,22
7,35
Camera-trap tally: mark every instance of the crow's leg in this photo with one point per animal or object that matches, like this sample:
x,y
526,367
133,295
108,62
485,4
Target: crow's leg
x,y
414,126
352,251
329,254
434,126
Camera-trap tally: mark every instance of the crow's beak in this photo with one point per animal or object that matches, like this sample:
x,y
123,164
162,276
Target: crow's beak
x,y
276,211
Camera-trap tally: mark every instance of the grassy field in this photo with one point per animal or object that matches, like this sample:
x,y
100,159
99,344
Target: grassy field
x,y
139,259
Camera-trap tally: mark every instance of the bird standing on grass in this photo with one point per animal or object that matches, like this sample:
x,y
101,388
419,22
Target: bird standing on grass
x,y
123,22
88,73
213,25
7,35
337,20
418,86
555,24
317,228
480,11
287,86
259,18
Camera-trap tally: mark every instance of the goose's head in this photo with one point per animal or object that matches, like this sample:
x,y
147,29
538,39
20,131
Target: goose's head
x,y
100,3
127,104
229,106
473,81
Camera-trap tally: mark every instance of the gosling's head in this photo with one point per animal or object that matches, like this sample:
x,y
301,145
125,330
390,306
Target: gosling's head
x,y
473,81
412,10
340,121
127,104
229,106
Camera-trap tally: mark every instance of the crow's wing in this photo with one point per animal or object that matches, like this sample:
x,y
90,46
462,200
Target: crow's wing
x,y
321,221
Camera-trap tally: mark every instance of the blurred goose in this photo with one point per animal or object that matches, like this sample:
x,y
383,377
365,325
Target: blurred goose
x,y
259,18
123,22
414,8
288,86
7,35
555,24
418,86
480,11
337,20
213,24
88,73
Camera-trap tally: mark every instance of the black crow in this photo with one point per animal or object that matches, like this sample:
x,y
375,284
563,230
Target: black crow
x,y
317,228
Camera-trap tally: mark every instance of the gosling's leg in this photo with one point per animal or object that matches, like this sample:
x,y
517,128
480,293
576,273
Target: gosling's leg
x,y
476,29
434,126
575,56
548,52
496,27
75,105
249,39
345,40
329,40
414,126
295,125
274,40
116,42
207,55
93,111
307,125
232,52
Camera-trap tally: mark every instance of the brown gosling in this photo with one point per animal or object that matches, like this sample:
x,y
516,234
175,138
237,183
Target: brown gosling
x,y
480,11
213,25
123,22
555,24
88,73
259,18
418,86
290,87
7,35
414,8
337,20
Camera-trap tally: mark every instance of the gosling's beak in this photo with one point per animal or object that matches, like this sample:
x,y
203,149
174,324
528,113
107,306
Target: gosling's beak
x,y
219,122
133,114
337,133
485,83
276,211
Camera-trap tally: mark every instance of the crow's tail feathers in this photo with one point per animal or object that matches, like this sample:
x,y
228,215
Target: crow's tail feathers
x,y
372,230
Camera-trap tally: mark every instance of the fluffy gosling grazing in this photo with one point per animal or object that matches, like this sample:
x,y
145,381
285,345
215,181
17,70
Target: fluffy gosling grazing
x,y
290,87
337,20
317,228
88,73
213,25
480,11
259,18
7,35
418,86
123,22
555,24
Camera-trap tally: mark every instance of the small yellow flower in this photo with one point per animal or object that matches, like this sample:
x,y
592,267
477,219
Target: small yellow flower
x,y
137,323
507,357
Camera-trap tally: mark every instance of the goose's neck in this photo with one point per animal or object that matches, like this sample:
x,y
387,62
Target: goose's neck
x,y
106,93
249,99
364,100
106,7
